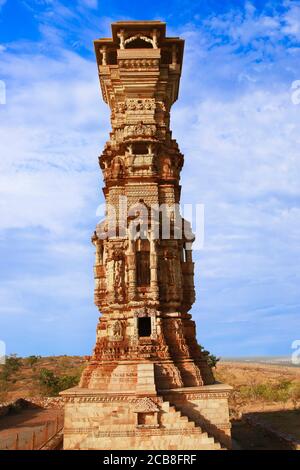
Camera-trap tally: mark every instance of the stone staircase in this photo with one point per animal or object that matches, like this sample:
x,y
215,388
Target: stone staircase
x,y
189,435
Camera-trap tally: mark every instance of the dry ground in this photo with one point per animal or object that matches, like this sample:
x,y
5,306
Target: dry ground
x,y
281,412
24,383
248,377
253,393
17,429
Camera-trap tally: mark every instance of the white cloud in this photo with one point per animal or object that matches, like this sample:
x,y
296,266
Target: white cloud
x,y
90,3
53,128
255,26
239,131
292,21
241,142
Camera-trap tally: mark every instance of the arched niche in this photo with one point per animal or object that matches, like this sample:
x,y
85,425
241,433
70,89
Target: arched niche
x,y
138,42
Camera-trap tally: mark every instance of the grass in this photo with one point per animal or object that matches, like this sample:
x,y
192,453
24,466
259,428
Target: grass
x,y
271,392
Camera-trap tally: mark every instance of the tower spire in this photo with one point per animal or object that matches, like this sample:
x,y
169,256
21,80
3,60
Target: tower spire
x,y
144,273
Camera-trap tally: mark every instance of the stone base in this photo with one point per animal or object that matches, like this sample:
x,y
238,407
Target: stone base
x,y
193,418
207,406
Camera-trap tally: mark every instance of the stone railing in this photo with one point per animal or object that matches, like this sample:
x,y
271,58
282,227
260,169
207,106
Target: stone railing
x,y
37,436
33,439
23,403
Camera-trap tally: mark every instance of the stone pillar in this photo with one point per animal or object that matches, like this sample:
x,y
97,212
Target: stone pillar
x,y
104,55
154,38
189,273
188,255
131,270
99,253
153,268
121,36
174,54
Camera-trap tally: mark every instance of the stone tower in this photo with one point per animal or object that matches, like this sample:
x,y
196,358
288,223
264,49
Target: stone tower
x,y
148,384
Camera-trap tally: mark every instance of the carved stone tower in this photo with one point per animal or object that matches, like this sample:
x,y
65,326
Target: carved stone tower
x,y
148,384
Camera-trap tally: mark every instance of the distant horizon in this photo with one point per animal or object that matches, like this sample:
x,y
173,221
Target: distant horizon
x,y
221,357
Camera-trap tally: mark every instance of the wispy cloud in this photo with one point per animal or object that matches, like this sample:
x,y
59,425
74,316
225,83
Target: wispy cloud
x,y
89,3
239,130
240,134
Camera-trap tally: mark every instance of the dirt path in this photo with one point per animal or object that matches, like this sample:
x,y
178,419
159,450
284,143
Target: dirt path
x,y
252,438
30,428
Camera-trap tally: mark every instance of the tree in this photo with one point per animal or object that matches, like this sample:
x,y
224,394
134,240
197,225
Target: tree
x,y
48,381
32,360
11,366
212,360
53,384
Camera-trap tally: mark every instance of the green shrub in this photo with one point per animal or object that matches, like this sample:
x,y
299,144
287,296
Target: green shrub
x,y
68,381
11,366
295,391
212,360
53,384
32,360
281,391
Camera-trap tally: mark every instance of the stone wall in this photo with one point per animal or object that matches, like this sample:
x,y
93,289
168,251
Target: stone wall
x,y
32,402
115,425
208,407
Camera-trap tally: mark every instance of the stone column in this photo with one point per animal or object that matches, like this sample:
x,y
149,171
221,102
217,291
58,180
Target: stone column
x,y
154,38
99,253
153,268
104,55
174,54
188,255
131,270
121,36
190,272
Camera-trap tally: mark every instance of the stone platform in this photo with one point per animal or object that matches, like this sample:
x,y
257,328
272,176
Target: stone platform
x,y
192,418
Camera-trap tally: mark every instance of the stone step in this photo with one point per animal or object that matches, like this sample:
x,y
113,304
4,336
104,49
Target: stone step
x,y
174,417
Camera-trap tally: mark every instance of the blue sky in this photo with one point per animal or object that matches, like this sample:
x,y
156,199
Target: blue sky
x,y
234,121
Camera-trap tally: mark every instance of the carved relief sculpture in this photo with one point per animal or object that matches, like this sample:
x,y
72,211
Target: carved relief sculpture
x,y
146,350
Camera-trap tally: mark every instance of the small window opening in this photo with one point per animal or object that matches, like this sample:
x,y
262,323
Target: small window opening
x,y
112,57
142,262
140,148
144,326
138,43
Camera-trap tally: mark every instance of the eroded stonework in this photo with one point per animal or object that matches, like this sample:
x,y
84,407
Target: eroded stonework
x,y
146,353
